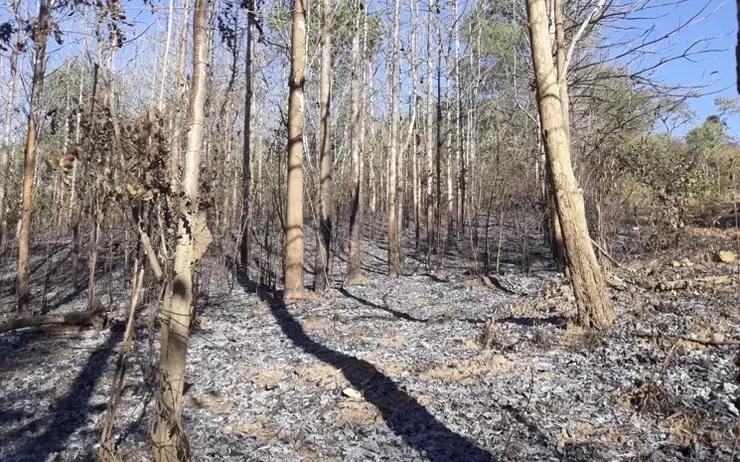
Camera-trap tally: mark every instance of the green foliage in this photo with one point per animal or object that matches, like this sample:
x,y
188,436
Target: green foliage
x,y
494,35
707,138
680,173
343,15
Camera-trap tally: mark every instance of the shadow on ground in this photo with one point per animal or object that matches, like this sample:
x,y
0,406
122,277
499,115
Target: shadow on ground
x,y
403,414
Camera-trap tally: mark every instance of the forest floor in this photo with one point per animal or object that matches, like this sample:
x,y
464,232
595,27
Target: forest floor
x,y
437,365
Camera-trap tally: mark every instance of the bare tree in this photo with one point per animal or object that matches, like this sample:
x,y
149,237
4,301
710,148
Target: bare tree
x,y
394,242
294,204
247,148
428,177
41,30
358,84
321,268
193,239
589,286
5,148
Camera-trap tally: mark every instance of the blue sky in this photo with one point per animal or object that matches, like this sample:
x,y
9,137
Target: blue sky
x,y
716,69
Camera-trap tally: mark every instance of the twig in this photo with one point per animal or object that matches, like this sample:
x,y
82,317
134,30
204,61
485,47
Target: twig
x,y
606,254
651,386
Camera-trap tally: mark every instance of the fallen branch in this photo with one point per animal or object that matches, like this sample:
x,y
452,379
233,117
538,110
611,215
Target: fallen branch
x,y
96,319
706,342
606,254
151,256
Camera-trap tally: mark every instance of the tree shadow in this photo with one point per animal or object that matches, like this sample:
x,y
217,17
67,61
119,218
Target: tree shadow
x,y
384,307
559,321
401,412
71,410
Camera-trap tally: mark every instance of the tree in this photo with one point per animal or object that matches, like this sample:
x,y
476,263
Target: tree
x,y
394,243
321,269
355,220
428,177
589,286
5,148
294,199
41,30
247,148
193,239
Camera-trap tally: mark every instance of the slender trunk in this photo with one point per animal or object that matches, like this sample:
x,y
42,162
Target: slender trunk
x,y
321,267
294,205
459,155
174,159
371,162
415,103
393,237
40,35
450,189
438,163
193,239
166,57
247,148
73,176
5,149
428,177
587,279
358,85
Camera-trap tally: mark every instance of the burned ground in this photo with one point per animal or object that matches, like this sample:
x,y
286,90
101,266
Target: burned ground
x,y
437,365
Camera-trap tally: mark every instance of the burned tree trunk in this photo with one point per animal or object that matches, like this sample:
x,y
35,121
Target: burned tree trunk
x,y
321,268
394,244
193,239
355,221
589,286
40,36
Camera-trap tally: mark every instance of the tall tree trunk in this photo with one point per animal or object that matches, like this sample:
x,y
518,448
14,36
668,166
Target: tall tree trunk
x,y
438,160
589,286
192,240
178,122
40,35
556,233
247,148
166,57
321,268
459,154
358,85
5,149
414,146
428,177
294,205
394,249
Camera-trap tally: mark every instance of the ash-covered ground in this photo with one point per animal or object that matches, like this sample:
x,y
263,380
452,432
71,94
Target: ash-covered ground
x,y
437,365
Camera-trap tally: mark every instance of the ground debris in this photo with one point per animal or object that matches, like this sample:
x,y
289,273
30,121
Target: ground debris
x,y
423,367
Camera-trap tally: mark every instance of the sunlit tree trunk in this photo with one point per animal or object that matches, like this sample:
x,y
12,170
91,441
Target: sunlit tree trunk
x,y
587,279
358,85
5,148
294,207
166,57
247,148
321,268
40,35
459,154
429,175
414,141
181,83
192,239
394,245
